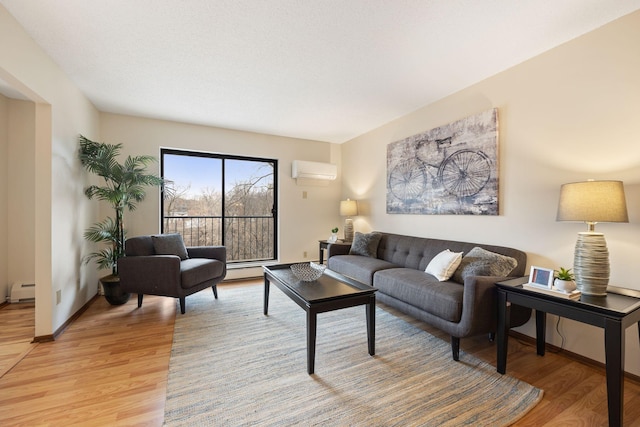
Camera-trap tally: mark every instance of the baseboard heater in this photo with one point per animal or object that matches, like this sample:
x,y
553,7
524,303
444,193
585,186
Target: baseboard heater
x,y
22,292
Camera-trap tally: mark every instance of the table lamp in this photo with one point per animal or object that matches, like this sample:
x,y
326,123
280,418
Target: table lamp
x,y
592,202
348,208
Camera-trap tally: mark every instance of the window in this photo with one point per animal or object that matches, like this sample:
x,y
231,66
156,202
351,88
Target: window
x,y
213,199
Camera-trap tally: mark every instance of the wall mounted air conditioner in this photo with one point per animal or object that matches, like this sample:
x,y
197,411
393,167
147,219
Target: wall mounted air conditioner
x,y
314,170
22,292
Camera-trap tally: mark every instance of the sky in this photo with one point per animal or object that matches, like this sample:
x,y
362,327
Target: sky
x,y
205,173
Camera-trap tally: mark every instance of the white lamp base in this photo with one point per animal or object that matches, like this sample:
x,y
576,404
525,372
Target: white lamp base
x,y
591,263
348,230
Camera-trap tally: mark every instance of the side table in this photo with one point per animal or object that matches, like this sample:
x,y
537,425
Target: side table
x,y
614,313
324,244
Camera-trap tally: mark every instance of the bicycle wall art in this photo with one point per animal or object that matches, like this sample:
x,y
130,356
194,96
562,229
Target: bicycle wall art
x,y
448,170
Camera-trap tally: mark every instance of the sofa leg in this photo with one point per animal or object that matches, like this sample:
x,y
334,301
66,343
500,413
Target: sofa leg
x,y
215,291
140,300
182,305
455,348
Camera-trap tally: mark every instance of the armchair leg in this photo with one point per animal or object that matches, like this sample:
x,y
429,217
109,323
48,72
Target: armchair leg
x,y
215,291
140,300
182,305
455,348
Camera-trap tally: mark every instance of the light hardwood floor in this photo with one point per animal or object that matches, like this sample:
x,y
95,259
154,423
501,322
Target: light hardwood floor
x,y
109,368
17,327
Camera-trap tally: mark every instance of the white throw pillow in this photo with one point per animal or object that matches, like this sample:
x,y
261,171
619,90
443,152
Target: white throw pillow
x,y
443,265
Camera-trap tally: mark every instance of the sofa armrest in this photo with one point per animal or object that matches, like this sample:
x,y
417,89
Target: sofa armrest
x,y
479,314
154,274
338,249
211,252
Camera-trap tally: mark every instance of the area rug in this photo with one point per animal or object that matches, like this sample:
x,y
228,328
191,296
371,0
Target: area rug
x,y
233,366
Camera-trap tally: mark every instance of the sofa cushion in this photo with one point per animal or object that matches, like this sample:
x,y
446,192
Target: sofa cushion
x,y
358,267
365,244
194,271
170,244
443,265
442,299
481,262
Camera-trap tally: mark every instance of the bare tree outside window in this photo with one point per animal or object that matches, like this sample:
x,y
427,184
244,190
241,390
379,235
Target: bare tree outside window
x,y
221,200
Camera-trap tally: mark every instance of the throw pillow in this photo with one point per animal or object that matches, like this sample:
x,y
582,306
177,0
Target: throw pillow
x,y
365,244
481,262
170,244
443,265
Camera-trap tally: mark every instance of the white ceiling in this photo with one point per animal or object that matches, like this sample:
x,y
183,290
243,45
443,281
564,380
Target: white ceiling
x,y
325,70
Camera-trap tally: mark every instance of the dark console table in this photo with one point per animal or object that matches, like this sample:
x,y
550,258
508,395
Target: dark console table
x,y
614,313
324,244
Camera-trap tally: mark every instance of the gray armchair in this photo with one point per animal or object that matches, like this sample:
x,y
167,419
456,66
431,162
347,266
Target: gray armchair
x,y
162,265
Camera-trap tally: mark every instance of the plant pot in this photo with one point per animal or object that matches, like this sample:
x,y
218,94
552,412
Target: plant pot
x,y
113,293
564,285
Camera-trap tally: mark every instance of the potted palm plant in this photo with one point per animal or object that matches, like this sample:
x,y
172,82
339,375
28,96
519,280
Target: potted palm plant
x,y
122,187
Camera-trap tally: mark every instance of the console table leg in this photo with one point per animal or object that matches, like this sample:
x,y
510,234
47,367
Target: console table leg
x,y
541,332
614,353
312,318
503,329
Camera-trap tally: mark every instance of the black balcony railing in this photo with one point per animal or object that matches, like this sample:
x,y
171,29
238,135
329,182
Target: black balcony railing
x,y
247,238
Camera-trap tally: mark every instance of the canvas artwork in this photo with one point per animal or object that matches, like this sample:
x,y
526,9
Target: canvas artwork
x,y
448,170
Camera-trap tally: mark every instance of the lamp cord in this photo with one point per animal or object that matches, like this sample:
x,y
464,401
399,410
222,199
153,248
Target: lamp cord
x,y
560,333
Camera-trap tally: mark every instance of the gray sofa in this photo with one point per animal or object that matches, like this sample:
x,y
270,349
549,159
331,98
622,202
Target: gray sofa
x,y
464,305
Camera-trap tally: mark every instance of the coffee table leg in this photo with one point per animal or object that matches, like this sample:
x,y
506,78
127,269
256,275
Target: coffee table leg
x,y
266,294
312,318
371,326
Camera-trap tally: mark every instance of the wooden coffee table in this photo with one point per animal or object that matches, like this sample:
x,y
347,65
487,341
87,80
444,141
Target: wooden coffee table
x,y
332,291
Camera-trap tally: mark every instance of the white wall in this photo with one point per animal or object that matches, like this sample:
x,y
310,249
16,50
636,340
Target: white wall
x,y
567,115
21,197
4,165
302,222
61,212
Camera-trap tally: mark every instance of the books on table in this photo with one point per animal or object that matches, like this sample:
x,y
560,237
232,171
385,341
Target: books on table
x,y
574,295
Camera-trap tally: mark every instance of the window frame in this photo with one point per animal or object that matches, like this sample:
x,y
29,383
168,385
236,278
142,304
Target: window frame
x,y
223,158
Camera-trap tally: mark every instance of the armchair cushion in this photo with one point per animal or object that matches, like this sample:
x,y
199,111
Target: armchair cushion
x,y
139,246
169,244
194,271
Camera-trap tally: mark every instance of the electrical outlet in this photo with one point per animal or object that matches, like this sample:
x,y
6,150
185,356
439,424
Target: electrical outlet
x,y
304,194
58,296
304,254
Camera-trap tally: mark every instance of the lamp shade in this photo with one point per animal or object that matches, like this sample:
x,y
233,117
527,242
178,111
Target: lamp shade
x,y
592,201
348,208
